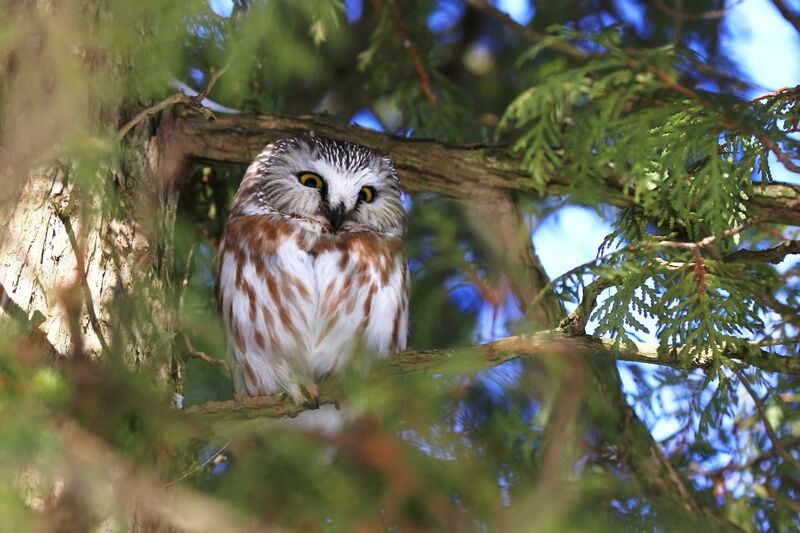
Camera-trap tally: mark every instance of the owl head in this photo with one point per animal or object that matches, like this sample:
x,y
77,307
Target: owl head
x,y
345,187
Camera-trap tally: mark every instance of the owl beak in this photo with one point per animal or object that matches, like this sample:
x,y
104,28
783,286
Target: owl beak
x,y
336,216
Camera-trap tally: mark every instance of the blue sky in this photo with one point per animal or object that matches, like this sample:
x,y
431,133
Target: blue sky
x,y
768,51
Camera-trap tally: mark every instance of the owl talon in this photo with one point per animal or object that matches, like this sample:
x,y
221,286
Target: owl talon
x,y
304,395
296,394
311,396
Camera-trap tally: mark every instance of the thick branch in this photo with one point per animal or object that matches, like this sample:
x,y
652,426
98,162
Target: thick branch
x,y
773,255
787,13
465,171
491,354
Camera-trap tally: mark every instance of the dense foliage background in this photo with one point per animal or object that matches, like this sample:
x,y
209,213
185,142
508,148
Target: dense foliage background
x,y
117,180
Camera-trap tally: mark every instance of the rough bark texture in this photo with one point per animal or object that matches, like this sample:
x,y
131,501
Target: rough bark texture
x,y
456,171
39,264
65,257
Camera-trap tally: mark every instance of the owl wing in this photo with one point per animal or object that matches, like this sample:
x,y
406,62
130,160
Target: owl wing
x,y
268,299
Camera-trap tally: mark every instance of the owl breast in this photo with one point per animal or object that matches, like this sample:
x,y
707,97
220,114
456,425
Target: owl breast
x,y
299,303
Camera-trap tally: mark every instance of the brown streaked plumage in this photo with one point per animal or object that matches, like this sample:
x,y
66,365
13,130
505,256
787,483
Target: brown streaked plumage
x,y
310,269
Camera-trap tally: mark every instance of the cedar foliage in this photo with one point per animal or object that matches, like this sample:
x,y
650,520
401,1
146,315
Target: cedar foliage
x,y
631,108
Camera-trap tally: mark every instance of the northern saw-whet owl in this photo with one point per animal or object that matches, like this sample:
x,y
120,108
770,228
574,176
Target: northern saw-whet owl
x,y
310,266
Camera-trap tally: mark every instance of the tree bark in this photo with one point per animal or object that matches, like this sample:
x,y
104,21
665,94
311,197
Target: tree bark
x,y
456,171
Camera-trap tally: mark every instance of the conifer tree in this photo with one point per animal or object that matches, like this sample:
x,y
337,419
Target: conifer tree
x,y
126,127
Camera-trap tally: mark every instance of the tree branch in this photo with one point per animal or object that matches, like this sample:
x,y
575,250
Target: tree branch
x,y
413,55
773,255
28,325
455,171
762,414
791,17
180,97
492,354
531,35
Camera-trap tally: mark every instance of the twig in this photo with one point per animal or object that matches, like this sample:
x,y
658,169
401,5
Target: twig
x,y
711,239
773,147
199,467
682,15
777,92
424,79
180,97
792,18
189,348
29,325
699,272
762,413
196,354
532,35
576,322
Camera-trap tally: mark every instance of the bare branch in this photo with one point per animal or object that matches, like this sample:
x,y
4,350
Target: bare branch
x,y
191,351
402,33
530,34
180,97
575,323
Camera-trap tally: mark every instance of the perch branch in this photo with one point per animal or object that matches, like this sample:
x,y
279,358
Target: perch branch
x,y
492,354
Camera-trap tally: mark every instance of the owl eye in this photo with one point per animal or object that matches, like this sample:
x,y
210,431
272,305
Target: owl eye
x,y
309,179
366,194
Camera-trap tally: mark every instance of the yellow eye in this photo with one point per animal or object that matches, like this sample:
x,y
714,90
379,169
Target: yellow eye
x,y
366,194
310,179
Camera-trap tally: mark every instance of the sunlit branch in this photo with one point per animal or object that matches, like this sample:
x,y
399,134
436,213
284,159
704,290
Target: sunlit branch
x,y
456,171
180,97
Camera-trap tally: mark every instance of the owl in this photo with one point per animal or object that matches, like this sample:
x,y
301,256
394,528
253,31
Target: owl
x,y
311,274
